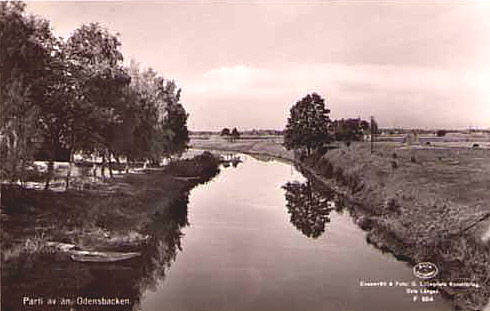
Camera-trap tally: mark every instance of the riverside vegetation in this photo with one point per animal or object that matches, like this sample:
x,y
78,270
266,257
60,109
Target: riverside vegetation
x,y
65,97
138,212
109,216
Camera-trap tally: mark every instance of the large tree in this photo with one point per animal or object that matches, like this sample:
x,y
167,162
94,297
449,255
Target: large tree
x,y
158,119
26,47
308,124
100,80
174,123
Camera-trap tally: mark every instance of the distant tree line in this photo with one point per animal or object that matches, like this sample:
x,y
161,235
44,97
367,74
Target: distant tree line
x,y
310,127
75,95
252,132
230,135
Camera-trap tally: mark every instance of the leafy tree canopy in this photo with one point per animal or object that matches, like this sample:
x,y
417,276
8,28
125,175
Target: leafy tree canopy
x,y
308,124
76,95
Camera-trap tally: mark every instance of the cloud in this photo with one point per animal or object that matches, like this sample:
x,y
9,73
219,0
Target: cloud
x,y
246,64
396,95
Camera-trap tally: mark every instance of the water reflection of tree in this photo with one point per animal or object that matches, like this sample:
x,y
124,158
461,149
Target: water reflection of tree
x,y
58,277
164,244
309,208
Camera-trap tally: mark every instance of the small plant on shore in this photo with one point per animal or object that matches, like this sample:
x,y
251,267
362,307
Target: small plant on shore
x,y
31,247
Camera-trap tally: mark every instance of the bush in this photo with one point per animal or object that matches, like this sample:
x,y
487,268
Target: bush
x,y
203,165
393,205
394,165
325,168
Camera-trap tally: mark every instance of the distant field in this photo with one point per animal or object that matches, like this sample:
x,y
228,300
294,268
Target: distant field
x,y
452,139
453,171
268,145
242,137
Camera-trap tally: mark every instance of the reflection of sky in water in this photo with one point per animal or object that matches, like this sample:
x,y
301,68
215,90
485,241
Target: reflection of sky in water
x,y
240,252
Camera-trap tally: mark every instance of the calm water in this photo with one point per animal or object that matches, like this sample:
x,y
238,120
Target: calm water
x,y
258,236
242,250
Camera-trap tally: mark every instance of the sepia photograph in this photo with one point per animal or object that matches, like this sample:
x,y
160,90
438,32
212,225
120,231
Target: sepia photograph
x,y
267,155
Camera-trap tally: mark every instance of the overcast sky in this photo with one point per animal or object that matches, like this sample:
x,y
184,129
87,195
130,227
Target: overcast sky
x,y
244,64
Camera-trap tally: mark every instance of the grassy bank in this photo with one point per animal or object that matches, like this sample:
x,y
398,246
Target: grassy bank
x,y
113,216
142,212
422,203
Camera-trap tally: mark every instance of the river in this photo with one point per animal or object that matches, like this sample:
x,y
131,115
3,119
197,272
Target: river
x,y
258,236
255,242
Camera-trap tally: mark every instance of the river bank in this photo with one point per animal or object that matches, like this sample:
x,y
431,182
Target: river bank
x,y
114,216
138,213
419,203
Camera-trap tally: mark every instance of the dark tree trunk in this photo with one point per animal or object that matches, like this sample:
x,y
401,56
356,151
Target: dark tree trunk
x,y
68,174
110,165
308,188
22,176
127,166
102,169
49,173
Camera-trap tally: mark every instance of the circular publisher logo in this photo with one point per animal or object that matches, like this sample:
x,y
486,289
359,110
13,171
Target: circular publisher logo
x,y
425,270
